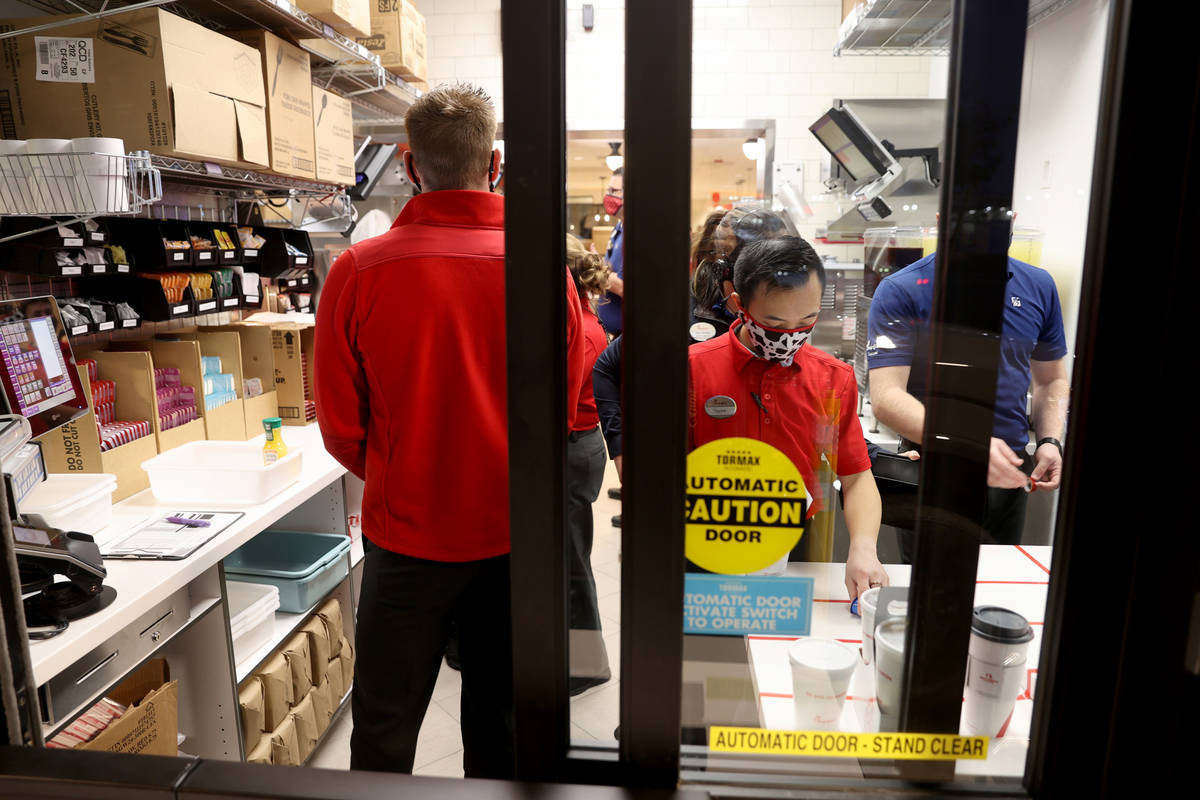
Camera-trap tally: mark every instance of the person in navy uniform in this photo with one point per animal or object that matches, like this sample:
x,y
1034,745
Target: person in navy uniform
x,y
1033,355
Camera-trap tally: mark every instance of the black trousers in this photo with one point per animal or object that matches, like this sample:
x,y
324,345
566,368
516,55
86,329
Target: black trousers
x,y
405,611
585,477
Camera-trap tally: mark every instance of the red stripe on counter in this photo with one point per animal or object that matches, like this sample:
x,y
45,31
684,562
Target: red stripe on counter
x,y
850,641
1031,558
773,694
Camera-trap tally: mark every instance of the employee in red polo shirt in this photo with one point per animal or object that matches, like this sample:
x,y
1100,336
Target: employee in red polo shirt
x,y
411,385
787,393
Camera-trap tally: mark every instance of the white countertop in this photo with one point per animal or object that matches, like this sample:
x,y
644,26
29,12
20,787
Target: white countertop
x,y
1013,577
141,584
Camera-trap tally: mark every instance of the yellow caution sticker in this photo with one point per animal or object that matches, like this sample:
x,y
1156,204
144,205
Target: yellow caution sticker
x,y
830,744
746,506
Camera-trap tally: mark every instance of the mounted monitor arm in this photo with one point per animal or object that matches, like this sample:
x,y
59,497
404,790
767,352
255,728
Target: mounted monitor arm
x,y
933,169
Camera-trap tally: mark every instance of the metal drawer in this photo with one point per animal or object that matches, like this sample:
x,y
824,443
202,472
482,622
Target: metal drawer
x,y
90,676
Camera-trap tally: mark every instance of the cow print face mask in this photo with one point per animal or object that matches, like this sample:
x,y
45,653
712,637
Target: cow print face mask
x,y
774,344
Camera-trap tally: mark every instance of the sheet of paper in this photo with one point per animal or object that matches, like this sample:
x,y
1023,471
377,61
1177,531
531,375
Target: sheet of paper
x,y
158,538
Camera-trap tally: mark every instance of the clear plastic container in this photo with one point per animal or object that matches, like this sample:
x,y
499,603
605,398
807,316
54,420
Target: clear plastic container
x,y
80,503
252,608
220,473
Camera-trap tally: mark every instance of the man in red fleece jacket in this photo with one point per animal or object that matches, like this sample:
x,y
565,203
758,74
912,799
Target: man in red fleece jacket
x,y
411,386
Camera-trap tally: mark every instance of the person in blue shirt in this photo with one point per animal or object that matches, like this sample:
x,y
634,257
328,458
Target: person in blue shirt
x,y
1033,354
614,206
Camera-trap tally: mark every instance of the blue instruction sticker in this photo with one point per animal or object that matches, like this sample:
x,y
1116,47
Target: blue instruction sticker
x,y
736,605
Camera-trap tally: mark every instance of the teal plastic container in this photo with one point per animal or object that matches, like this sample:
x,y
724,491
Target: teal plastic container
x,y
304,566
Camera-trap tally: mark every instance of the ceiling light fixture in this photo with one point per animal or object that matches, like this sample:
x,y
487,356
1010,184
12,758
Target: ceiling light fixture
x,y
752,149
614,160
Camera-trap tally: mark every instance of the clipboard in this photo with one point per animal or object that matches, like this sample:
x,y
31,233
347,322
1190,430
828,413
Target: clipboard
x,y
156,539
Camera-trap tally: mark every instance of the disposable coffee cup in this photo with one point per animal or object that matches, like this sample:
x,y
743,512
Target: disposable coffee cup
x,y
866,609
995,669
889,663
821,672
52,177
14,183
104,170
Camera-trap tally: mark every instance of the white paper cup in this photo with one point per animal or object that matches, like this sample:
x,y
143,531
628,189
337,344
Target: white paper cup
x,y
889,663
821,672
866,609
51,177
14,184
104,174
995,669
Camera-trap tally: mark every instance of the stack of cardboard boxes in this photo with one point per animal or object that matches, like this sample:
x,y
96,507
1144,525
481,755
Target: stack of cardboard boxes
x,y
398,38
289,703
175,88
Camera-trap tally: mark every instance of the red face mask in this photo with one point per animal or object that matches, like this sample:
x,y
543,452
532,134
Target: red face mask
x,y
612,204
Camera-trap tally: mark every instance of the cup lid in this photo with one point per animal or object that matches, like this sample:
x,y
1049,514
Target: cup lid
x,y
890,633
1000,625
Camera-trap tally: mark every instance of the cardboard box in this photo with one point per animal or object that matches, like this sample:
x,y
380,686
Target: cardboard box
x,y
293,350
227,422
287,81
848,6
250,700
262,753
167,439
258,361
336,681
156,80
347,657
227,346
349,17
277,691
318,648
304,718
398,38
75,447
331,615
333,134
285,748
150,725
299,664
323,708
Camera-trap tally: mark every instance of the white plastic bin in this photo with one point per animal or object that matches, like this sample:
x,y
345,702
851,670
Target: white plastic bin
x,y
73,502
220,473
252,608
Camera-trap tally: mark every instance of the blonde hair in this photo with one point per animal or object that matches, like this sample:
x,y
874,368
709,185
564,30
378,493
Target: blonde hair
x,y
589,270
451,131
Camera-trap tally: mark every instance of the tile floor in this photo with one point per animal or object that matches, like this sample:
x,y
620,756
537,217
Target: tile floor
x,y
594,714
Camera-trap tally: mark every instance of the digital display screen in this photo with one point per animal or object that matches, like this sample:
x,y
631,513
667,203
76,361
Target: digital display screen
x,y
845,151
34,363
31,536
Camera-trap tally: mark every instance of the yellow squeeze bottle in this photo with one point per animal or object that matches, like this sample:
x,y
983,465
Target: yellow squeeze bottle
x,y
274,448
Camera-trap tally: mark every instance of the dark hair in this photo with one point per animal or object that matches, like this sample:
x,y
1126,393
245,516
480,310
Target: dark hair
x,y
619,172
702,248
783,263
746,225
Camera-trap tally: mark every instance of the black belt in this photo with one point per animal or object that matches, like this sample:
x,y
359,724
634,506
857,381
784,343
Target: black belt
x,y
575,436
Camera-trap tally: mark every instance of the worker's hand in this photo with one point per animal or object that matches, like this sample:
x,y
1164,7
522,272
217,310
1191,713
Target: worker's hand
x,y
1004,467
912,455
863,570
1048,469
617,461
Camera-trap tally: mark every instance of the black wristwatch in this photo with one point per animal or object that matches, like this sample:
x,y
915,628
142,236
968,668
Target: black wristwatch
x,y
1053,441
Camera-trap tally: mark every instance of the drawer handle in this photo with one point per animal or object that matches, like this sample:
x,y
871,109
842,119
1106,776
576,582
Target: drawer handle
x,y
97,668
157,622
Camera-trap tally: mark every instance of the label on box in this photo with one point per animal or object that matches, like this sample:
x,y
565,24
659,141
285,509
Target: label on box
x,y
96,236
250,253
74,242
177,256
122,268
291,282
106,326
65,60
229,302
207,306
99,269
301,259
72,270
228,255
128,323
179,309
79,330
204,255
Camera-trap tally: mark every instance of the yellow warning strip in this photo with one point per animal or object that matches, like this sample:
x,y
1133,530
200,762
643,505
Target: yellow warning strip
x,y
912,746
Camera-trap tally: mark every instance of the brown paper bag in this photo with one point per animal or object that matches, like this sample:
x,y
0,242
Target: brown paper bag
x,y
262,753
322,706
284,745
278,696
347,657
250,698
331,615
318,648
304,717
300,663
336,681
